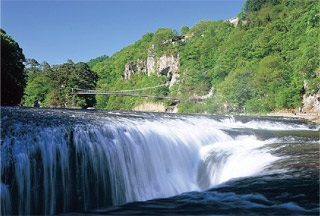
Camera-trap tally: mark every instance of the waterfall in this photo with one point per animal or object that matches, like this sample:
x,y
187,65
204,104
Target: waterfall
x,y
51,168
5,200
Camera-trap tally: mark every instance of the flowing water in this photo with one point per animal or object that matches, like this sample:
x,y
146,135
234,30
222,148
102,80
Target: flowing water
x,y
57,161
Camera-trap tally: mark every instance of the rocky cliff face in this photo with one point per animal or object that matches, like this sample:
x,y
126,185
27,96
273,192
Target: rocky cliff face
x,y
168,66
311,103
164,66
150,60
128,70
141,66
234,21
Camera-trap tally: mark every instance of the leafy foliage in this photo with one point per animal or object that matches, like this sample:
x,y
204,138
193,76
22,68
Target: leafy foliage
x,y
95,61
52,86
12,71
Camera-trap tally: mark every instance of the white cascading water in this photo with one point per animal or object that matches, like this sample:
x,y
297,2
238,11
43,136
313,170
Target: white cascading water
x,y
221,161
125,160
5,200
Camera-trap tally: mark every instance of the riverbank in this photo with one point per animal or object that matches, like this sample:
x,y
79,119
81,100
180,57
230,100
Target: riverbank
x,y
312,117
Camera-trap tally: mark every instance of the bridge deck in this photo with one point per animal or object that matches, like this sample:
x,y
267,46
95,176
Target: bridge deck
x,y
84,92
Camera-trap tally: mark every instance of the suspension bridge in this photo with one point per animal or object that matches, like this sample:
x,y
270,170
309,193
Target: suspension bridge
x,y
125,93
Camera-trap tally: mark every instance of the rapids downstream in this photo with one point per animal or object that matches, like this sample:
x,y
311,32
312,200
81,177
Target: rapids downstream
x,y
57,161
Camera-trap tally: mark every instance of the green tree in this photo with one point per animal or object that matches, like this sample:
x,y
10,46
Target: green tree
x,y
255,5
97,60
161,38
84,78
271,81
38,83
52,86
237,89
12,71
184,30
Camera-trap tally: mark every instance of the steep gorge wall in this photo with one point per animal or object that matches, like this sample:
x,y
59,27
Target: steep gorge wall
x,y
165,65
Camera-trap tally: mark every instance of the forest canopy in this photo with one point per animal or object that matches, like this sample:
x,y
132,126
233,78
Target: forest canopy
x,y
51,86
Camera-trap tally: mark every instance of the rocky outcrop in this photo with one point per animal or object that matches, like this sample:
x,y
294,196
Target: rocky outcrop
x,y
178,39
202,97
173,109
168,66
174,79
234,21
128,70
311,103
150,65
164,66
150,60
151,107
141,66
156,107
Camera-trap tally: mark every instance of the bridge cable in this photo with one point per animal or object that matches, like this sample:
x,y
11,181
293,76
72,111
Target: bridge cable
x,y
121,91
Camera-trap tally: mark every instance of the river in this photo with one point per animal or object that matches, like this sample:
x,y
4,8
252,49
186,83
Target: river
x,y
56,161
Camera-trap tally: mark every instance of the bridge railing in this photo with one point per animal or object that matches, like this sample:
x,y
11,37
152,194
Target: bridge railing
x,y
123,92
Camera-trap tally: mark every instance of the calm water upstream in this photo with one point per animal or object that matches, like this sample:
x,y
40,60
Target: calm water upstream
x,y
56,161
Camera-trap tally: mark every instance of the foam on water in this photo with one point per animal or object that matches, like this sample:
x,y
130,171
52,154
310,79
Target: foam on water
x,y
222,161
264,123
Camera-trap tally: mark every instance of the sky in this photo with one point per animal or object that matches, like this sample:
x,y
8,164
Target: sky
x,y
58,30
